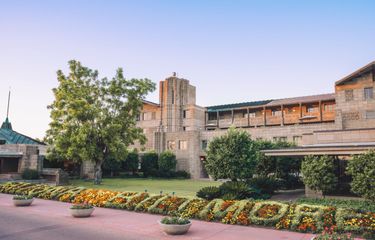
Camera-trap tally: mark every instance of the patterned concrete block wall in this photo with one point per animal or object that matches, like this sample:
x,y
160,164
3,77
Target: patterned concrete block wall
x,y
356,111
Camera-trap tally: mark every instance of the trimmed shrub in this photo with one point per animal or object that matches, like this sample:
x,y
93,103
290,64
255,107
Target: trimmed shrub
x,y
209,193
318,173
132,162
362,170
149,163
266,185
30,174
167,161
112,166
238,191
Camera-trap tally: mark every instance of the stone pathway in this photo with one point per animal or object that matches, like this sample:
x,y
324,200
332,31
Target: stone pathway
x,y
51,220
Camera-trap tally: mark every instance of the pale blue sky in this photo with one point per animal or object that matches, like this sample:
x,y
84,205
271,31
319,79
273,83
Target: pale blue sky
x,y
232,51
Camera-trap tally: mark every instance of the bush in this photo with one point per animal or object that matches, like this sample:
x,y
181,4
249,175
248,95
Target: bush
x,y
182,174
30,174
362,170
132,162
167,161
318,173
209,193
364,205
112,166
266,185
233,155
238,190
149,163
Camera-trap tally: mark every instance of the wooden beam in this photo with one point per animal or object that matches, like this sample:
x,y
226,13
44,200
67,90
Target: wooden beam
x,y
300,111
217,118
282,115
248,117
320,111
264,116
232,112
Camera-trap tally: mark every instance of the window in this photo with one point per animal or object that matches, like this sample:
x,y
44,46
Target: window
x,y
251,115
329,107
171,145
310,108
183,128
276,112
297,139
184,113
182,145
349,95
279,139
172,96
153,115
212,116
138,117
204,144
368,93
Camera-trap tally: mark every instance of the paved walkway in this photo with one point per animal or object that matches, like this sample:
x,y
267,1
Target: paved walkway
x,y
51,220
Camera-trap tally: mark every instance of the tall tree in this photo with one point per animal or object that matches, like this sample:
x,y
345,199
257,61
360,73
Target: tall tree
x,y
94,119
233,155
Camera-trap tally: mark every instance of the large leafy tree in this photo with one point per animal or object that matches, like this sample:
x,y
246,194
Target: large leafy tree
x,y
362,170
233,155
319,173
94,119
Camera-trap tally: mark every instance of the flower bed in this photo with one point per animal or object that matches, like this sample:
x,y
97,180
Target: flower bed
x,y
296,217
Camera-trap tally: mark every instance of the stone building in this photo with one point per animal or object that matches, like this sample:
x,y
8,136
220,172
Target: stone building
x,y
340,123
18,152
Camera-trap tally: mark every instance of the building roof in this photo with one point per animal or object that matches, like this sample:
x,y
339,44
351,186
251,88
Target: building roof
x,y
304,99
236,105
151,103
358,73
9,136
275,102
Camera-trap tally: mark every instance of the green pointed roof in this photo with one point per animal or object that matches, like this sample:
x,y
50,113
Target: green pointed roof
x,y
9,136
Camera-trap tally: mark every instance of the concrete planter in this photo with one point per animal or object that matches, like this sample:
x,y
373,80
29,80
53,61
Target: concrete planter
x,y
23,202
81,213
175,229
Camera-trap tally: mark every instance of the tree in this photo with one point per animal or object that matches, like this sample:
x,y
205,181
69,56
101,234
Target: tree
x,y
318,173
94,119
362,170
149,162
167,161
233,156
132,161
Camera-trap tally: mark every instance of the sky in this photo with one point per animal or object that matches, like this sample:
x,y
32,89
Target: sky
x,y
232,51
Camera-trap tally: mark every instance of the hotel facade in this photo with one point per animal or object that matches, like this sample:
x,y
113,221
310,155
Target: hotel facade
x,y
340,123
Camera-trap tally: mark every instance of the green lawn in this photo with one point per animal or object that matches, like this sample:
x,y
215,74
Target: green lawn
x,y
181,187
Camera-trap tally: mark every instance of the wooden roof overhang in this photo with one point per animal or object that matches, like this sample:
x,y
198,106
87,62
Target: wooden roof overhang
x,y
345,149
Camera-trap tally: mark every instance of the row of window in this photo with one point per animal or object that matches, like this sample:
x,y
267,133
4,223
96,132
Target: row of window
x,y
368,93
182,145
152,116
296,140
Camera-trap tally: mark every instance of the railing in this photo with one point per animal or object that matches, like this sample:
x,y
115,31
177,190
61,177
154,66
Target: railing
x,y
257,121
273,120
328,116
291,118
240,122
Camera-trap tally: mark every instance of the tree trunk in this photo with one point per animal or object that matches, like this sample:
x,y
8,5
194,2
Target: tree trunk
x,y
98,173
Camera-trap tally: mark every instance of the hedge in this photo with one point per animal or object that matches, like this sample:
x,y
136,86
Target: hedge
x,y
280,215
